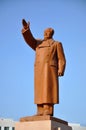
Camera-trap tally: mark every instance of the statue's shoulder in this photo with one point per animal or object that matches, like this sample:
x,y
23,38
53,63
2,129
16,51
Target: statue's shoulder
x,y
58,43
39,41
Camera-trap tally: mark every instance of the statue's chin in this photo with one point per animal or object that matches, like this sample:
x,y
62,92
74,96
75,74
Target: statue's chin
x,y
46,38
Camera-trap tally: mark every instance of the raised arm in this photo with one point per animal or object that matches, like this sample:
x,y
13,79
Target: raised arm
x,y
28,37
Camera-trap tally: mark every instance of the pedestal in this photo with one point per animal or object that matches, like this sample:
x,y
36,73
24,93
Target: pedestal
x,y
42,123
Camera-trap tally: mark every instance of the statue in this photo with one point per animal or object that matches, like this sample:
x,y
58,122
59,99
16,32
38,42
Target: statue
x,y
49,65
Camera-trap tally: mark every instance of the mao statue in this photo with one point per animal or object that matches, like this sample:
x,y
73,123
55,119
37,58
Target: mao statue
x,y
49,65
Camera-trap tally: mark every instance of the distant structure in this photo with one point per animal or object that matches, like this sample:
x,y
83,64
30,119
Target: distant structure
x,y
7,124
77,126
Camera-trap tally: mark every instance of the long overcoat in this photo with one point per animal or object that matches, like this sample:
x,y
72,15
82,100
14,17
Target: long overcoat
x,y
49,59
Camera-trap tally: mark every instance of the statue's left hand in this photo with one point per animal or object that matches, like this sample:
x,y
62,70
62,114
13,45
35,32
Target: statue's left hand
x,y
60,73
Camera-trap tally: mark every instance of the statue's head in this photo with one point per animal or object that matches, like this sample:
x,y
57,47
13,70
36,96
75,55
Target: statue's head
x,y
48,33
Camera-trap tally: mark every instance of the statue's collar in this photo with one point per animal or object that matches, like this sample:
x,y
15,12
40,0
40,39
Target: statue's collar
x,y
46,43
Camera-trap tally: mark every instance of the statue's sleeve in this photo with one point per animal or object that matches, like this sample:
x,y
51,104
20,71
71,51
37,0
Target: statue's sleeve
x,y
61,58
28,37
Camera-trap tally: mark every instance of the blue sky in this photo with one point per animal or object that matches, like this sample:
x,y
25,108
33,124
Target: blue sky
x,y
68,18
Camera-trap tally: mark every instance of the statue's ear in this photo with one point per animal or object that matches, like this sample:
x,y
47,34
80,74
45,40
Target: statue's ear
x,y
24,23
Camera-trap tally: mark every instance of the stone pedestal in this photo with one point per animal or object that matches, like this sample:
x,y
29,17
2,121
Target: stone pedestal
x,y
42,123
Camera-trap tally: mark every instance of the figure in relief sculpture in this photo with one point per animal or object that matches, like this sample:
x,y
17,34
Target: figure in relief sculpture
x,y
49,65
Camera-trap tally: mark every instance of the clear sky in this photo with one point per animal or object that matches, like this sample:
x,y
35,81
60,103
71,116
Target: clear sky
x,y
68,18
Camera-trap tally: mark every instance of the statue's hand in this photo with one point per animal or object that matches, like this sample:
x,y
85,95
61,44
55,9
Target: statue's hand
x,y
60,73
25,24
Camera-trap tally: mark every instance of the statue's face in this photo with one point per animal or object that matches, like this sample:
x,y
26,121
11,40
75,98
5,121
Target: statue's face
x,y
47,34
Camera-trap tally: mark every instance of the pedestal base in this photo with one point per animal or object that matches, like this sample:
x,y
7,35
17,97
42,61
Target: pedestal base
x,y
48,124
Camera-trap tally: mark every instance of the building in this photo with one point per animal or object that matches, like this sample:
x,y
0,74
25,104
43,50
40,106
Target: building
x,y
76,126
7,124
